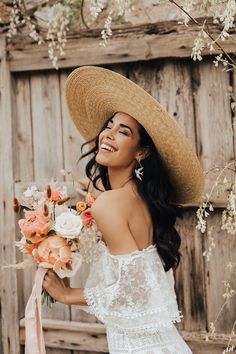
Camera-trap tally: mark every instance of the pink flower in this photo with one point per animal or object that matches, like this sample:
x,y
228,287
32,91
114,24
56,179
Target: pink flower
x,y
35,226
53,252
87,218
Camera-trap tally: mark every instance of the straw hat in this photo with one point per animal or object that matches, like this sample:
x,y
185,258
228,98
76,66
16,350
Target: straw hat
x,y
94,93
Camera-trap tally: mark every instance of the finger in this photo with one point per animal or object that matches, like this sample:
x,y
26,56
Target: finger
x,y
47,272
45,278
50,272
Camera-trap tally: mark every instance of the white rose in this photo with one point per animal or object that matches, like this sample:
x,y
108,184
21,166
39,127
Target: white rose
x,y
68,225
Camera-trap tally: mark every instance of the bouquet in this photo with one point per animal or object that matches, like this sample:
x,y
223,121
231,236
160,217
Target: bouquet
x,y
54,234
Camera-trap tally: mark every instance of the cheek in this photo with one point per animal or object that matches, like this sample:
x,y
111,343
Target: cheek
x,y
100,137
127,151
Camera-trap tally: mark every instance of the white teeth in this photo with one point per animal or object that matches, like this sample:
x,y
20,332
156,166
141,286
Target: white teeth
x,y
107,147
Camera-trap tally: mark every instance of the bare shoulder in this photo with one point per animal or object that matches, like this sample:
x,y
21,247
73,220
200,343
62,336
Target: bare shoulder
x,y
116,200
111,213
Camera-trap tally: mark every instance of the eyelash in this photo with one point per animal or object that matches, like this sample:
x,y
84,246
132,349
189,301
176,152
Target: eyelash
x,y
120,132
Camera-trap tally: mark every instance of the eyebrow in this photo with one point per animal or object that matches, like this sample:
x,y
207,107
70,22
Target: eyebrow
x,y
122,125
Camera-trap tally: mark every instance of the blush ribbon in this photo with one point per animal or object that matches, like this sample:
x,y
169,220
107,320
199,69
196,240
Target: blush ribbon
x,y
33,317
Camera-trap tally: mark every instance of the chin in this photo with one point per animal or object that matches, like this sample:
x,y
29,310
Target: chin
x,y
101,160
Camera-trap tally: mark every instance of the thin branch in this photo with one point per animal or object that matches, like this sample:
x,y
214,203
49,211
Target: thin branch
x,y
207,33
82,15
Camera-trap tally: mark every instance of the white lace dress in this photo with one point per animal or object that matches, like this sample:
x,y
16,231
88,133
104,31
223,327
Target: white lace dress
x,y
135,298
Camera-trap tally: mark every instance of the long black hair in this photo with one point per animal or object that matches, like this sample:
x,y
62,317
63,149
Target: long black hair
x,y
155,189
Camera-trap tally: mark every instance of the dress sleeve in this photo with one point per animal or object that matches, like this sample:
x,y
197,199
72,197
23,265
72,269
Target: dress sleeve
x,y
132,292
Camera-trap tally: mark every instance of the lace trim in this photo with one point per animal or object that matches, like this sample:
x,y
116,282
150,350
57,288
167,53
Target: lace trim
x,y
146,328
131,254
92,307
144,313
101,315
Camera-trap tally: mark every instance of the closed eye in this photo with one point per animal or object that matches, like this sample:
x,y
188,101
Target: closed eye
x,y
125,133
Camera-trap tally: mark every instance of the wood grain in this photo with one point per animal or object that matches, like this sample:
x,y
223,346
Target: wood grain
x,y
162,39
8,277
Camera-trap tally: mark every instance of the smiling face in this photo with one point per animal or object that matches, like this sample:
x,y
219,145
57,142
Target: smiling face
x,y
119,142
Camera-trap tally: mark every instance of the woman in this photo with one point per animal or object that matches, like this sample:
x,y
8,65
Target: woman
x,y
131,287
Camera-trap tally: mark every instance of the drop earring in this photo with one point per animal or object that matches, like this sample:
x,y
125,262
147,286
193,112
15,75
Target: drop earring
x,y
139,171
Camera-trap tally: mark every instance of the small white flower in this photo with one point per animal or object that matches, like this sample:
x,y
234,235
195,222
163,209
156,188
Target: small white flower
x,y
30,191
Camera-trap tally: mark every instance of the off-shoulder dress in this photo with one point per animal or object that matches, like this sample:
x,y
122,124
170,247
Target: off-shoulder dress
x,y
135,298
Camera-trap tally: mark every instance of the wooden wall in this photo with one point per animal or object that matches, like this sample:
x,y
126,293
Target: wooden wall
x,y
45,141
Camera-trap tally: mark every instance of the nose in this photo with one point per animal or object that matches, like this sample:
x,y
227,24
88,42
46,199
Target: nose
x,y
109,134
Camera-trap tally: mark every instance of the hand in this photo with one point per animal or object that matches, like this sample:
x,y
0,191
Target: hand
x,y
55,286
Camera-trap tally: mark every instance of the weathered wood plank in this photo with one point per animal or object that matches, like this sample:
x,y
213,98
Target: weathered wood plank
x,y
189,275
216,272
72,139
213,119
47,128
8,278
128,44
23,166
23,140
74,333
48,151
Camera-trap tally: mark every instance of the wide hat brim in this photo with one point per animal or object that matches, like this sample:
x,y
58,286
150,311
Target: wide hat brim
x,y
93,94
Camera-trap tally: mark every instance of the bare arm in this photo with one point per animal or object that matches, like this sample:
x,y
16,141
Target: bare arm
x,y
57,288
74,296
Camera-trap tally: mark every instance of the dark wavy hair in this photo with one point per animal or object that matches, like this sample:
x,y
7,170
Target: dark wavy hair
x,y
155,189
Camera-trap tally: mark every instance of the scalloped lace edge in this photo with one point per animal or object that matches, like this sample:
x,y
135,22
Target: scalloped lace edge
x,y
92,309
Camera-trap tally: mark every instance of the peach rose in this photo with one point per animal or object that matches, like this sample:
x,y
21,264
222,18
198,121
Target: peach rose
x,y
87,218
55,196
53,252
80,206
90,199
26,247
35,226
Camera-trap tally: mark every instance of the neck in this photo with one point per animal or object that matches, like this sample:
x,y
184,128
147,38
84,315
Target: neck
x,y
119,178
